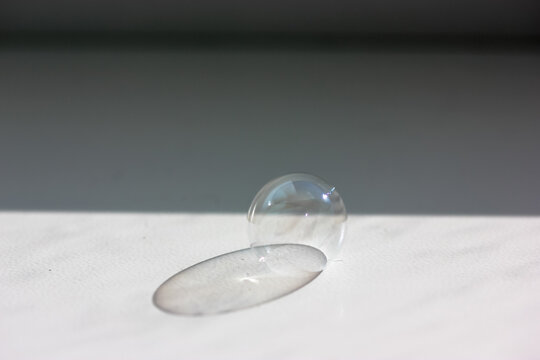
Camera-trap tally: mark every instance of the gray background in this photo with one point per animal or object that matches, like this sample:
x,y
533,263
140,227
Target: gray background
x,y
202,130
419,107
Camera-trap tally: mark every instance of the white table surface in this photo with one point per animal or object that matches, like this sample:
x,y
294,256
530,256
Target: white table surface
x,y
78,285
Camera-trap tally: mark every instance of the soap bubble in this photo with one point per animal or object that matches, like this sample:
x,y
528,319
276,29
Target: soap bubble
x,y
298,209
296,223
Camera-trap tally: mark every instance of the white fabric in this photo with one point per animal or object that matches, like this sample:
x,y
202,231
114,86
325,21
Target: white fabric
x,y
79,286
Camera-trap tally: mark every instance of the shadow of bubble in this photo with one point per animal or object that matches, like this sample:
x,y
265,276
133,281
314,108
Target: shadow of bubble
x,y
240,279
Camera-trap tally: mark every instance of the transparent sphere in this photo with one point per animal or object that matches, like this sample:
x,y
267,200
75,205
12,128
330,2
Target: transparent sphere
x,y
298,209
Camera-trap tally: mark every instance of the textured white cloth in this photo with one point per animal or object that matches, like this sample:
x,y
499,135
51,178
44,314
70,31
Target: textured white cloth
x,y
80,285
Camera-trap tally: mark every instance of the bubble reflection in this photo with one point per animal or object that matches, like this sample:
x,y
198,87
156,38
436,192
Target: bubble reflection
x,y
240,279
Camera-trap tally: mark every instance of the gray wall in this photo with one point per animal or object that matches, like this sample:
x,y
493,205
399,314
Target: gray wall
x,y
184,130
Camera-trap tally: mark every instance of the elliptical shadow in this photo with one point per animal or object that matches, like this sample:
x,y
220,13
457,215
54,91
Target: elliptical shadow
x,y
240,279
